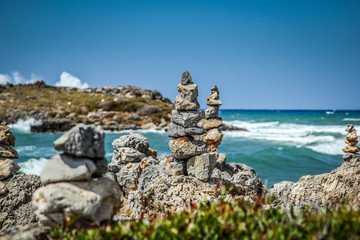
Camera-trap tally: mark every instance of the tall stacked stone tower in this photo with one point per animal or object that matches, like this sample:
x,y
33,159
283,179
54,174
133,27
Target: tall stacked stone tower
x,y
190,153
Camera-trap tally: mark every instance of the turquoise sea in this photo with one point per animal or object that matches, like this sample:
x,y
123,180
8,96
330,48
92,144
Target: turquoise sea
x,y
280,144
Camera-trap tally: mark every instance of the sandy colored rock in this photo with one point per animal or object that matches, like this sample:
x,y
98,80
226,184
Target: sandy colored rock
x,y
3,188
185,105
186,147
214,95
175,131
7,168
66,168
214,103
92,202
189,92
187,118
6,151
212,112
6,136
210,123
351,149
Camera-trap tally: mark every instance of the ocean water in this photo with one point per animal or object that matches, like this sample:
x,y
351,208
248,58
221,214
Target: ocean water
x,y
280,145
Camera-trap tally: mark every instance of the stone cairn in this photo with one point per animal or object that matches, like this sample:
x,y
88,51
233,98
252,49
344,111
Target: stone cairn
x,y
212,121
190,156
131,156
70,187
351,150
7,166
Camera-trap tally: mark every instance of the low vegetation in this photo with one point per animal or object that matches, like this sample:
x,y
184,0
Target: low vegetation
x,y
224,220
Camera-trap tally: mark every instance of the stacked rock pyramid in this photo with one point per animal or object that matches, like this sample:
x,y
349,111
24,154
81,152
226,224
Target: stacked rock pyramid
x,y
351,140
7,166
212,121
70,187
132,154
185,129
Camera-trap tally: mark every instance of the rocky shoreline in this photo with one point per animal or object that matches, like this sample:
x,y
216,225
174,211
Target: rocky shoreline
x,y
80,188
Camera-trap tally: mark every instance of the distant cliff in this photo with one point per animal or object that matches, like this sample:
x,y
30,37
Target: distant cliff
x,y
60,108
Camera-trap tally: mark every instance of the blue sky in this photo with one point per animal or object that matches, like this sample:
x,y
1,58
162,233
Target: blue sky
x,y
261,54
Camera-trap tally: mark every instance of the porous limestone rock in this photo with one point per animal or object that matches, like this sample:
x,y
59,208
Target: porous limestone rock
x,y
3,188
189,92
15,206
7,139
132,140
186,147
214,103
185,105
90,201
128,176
82,141
66,168
213,138
201,166
212,112
126,155
324,190
7,151
7,168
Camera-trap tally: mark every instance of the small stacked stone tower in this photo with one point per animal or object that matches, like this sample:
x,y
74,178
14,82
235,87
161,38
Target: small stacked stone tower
x,y
212,121
351,140
184,128
7,166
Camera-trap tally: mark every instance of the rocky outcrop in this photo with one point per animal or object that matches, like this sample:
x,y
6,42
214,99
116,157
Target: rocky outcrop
x,y
15,206
324,190
72,190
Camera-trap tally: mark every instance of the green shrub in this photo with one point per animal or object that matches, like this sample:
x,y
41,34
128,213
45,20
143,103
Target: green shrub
x,y
223,220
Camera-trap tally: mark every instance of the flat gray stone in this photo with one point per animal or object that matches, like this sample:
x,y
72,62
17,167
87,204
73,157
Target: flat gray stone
x,y
126,155
82,141
128,176
149,174
175,131
187,118
132,140
186,147
185,105
212,112
65,168
201,166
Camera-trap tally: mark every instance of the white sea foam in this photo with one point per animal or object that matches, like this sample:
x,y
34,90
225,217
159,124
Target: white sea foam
x,y
323,139
33,165
329,112
351,119
24,125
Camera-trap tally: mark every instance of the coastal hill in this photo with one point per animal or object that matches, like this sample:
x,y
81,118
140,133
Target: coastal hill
x,y
60,108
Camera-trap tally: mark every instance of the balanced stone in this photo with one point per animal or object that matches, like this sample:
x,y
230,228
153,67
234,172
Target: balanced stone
x,y
185,105
186,118
201,166
6,135
175,167
213,138
351,140
132,140
175,131
214,95
186,147
82,141
64,167
84,200
212,112
7,151
3,188
127,154
210,123
214,103
128,176
185,78
189,92
7,168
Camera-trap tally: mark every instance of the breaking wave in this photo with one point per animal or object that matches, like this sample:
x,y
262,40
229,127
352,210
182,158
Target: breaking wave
x,y
25,125
33,166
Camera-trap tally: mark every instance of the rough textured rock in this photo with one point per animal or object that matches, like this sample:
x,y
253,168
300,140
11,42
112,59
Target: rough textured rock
x,y
58,201
126,154
185,105
82,141
201,166
351,149
185,78
175,131
101,167
132,140
66,168
213,138
149,174
187,118
167,194
189,92
212,112
324,190
7,168
175,166
214,103
3,188
186,147
15,206
27,232
210,123
128,176
7,151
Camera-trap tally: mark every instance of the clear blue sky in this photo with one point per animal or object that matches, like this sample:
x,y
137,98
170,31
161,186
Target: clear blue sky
x,y
261,54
